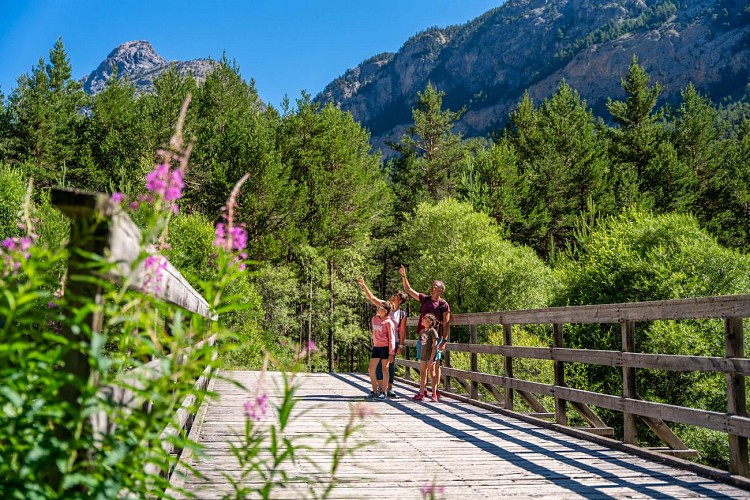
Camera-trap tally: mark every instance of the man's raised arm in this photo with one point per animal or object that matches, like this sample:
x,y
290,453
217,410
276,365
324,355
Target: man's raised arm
x,y
407,287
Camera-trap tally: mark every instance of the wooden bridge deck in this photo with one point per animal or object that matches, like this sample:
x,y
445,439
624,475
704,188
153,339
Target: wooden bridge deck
x,y
472,452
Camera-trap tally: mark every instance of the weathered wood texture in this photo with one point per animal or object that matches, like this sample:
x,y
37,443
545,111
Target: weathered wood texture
x,y
123,246
694,308
472,452
732,309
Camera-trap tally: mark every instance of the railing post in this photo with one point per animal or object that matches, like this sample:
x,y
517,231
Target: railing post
x,y
447,356
407,369
559,370
508,365
88,235
736,398
630,429
473,362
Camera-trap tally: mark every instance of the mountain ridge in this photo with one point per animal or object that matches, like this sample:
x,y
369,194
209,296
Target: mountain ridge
x,y
532,45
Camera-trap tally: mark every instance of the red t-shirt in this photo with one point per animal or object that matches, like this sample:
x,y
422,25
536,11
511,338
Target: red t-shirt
x,y
436,307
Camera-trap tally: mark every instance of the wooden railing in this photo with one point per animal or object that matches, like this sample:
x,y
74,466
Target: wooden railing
x,y
731,309
102,228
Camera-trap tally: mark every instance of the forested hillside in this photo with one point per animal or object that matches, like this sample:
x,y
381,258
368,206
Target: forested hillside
x,y
562,206
487,64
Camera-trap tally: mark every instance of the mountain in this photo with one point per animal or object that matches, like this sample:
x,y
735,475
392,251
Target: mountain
x,y
138,62
488,63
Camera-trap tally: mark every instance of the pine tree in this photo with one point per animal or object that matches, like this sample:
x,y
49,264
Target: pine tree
x,y
430,153
118,137
641,153
45,117
562,159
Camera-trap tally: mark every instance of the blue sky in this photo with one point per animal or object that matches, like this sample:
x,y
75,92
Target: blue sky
x,y
286,45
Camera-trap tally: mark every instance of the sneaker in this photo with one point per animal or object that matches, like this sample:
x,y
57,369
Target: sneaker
x,y
425,393
391,394
418,397
439,394
381,396
371,397
434,398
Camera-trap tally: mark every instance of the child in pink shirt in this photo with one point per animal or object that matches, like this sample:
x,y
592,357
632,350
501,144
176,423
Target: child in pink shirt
x,y
384,346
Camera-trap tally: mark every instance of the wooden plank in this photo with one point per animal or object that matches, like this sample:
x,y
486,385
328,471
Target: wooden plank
x,y
495,393
672,362
692,308
124,248
472,452
689,416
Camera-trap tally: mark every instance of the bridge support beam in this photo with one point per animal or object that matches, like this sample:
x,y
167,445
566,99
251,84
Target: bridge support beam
x,y
559,370
736,397
508,364
630,428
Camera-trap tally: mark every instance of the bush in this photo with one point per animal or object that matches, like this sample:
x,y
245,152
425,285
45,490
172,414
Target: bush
x,y
449,241
641,257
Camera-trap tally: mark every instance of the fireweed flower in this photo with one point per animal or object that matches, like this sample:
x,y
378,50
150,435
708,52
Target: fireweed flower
x,y
116,198
166,183
12,252
432,490
312,347
256,410
155,266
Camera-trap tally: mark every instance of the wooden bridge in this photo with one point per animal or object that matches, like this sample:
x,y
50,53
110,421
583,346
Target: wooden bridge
x,y
470,451
472,446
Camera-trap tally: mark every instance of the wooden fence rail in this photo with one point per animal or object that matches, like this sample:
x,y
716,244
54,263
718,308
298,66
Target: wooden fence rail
x,y
102,228
734,365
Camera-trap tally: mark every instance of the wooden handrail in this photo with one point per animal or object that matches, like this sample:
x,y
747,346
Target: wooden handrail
x,y
101,227
732,309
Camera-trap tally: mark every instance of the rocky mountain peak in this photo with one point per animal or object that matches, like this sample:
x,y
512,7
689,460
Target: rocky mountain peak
x,y
141,64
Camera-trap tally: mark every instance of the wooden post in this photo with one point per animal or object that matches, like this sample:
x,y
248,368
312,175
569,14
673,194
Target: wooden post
x,y
630,429
736,397
473,363
508,362
447,356
559,370
330,317
88,235
407,370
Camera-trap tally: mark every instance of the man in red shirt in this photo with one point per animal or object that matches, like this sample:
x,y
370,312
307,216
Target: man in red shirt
x,y
436,305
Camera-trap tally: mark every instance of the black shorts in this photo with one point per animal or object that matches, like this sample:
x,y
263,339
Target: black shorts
x,y
380,353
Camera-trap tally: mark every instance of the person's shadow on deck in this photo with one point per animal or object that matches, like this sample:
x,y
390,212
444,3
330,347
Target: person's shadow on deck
x,y
488,423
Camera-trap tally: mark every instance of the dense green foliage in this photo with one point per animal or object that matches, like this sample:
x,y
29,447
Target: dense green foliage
x,y
560,207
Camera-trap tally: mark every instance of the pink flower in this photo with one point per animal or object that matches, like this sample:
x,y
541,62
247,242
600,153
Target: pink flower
x,y
9,244
116,197
233,239
361,410
312,347
431,490
256,410
165,182
155,266
51,304
239,237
